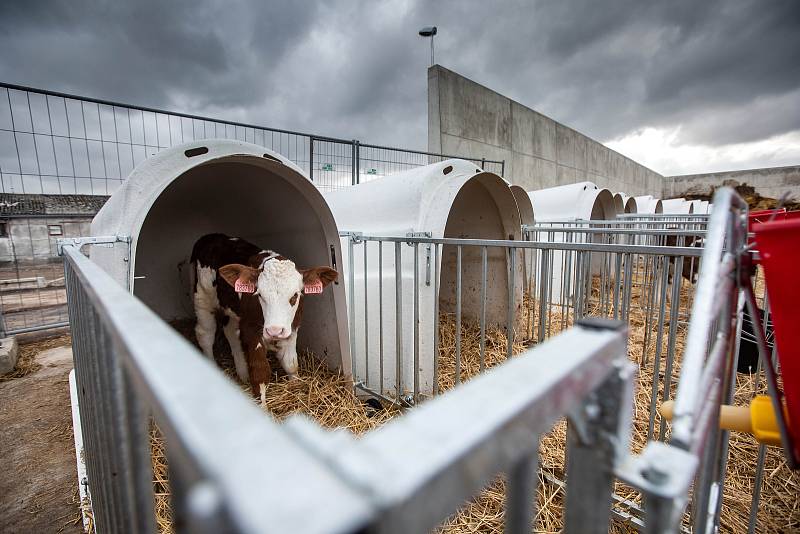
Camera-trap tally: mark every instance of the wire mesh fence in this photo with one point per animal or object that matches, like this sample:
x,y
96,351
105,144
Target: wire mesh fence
x,y
67,146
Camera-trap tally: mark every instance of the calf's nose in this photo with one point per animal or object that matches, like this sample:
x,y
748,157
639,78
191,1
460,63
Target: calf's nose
x,y
277,332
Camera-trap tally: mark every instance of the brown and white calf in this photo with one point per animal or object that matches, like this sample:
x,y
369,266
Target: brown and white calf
x,y
691,265
261,299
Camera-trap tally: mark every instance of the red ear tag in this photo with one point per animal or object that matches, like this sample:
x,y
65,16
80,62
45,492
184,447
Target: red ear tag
x,y
312,289
244,287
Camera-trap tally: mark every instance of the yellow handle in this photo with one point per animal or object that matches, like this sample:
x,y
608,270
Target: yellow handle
x,y
757,419
765,424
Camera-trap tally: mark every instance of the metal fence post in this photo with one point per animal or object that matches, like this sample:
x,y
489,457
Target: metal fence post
x,y
596,442
521,493
311,158
356,162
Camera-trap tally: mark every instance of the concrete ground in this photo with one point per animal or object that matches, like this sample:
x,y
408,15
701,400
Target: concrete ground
x,y
38,485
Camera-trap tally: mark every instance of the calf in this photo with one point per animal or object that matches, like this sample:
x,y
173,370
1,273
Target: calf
x,y
691,265
261,300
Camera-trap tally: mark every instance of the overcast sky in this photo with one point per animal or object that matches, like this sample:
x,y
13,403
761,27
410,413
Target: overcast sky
x,y
680,86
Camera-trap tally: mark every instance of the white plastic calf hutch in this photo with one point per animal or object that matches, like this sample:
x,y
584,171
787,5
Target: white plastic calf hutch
x,y
524,204
624,204
237,188
648,204
629,203
450,199
527,217
581,201
677,206
700,207
619,203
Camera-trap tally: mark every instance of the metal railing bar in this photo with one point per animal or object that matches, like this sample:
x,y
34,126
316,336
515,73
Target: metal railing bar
x,y
398,302
458,316
351,309
617,223
416,323
693,216
511,305
593,247
366,315
28,329
436,320
622,231
420,152
482,318
380,317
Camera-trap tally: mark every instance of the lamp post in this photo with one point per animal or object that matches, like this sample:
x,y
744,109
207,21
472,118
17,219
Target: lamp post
x,y
429,31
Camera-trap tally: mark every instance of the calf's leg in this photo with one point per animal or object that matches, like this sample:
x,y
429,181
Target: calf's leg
x,y
232,334
287,354
205,330
257,364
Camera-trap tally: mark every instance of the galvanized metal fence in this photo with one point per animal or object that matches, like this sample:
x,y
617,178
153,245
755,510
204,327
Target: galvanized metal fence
x,y
232,469
548,286
62,144
641,270
565,279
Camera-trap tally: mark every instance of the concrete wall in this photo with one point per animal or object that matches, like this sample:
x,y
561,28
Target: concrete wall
x,y
770,182
29,239
467,118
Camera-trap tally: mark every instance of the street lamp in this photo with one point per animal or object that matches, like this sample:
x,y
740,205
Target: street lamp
x,y
429,31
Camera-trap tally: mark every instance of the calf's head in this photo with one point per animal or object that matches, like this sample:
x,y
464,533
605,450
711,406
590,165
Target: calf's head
x,y
279,285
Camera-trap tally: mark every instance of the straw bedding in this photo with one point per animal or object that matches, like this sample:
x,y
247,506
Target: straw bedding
x,y
327,397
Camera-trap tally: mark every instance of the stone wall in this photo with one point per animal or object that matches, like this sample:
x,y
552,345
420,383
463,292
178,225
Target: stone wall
x,y
28,239
770,182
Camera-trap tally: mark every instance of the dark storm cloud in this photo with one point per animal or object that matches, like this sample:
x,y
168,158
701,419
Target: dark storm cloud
x,y
724,71
610,67
150,51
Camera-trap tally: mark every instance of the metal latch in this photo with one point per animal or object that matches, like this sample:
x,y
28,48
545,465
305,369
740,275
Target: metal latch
x,y
78,242
355,237
419,234
427,235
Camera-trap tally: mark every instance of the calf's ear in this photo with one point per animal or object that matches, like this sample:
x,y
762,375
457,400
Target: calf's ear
x,y
241,277
319,275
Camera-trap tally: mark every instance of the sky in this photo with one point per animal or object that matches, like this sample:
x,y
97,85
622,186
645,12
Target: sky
x,y
681,86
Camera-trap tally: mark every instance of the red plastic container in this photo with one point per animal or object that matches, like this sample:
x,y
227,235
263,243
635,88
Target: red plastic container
x,y
764,215
771,215
778,243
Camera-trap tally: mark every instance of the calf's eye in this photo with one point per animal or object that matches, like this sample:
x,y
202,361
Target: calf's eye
x,y
294,298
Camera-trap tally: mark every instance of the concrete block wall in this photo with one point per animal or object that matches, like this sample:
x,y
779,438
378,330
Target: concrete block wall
x,y
29,239
465,117
769,182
